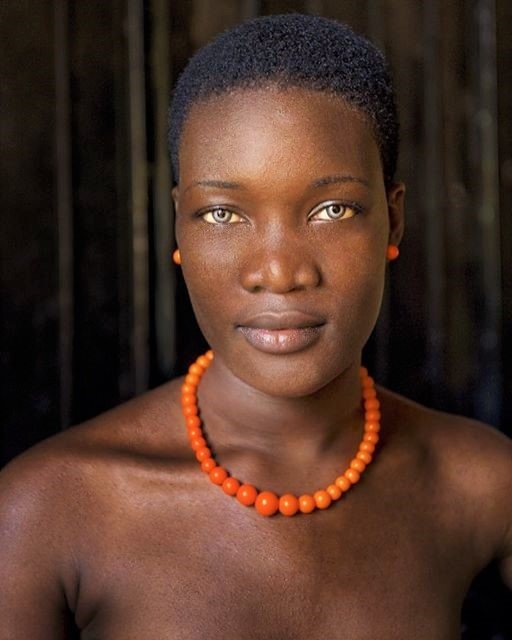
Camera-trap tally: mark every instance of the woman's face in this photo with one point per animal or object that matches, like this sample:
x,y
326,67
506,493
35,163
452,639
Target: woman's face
x,y
283,221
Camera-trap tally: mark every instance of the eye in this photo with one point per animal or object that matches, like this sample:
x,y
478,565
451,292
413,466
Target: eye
x,y
334,211
221,216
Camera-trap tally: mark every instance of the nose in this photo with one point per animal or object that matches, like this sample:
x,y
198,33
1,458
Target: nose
x,y
280,267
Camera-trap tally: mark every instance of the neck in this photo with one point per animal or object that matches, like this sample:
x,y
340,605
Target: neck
x,y
238,417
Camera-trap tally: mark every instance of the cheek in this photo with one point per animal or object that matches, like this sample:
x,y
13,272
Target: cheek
x,y
355,258
212,288
359,289
355,276
211,259
365,301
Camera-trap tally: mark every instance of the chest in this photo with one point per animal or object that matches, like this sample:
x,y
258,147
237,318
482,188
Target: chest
x,y
385,569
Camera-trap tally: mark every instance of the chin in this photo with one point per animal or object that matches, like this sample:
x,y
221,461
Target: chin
x,y
294,375
297,389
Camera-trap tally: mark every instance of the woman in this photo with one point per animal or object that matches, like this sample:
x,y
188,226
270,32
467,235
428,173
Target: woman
x,y
341,511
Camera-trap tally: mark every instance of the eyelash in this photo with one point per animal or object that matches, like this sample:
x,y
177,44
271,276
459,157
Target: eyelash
x,y
203,214
354,206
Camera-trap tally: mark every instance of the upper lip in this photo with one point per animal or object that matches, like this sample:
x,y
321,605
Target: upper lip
x,y
291,319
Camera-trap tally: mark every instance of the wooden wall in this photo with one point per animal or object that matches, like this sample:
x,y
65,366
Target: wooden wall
x,y
91,310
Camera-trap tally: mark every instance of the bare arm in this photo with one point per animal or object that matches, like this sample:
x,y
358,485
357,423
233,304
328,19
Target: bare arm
x,y
36,570
504,499
479,462
506,559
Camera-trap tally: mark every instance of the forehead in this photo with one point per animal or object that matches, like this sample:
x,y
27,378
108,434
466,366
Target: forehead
x,y
274,129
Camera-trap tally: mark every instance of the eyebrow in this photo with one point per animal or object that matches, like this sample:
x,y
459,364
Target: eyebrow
x,y
319,182
337,179
218,184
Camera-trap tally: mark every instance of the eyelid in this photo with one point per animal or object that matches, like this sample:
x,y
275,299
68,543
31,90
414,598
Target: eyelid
x,y
205,212
356,207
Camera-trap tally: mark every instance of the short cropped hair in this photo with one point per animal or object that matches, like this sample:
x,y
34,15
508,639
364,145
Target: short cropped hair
x,y
292,50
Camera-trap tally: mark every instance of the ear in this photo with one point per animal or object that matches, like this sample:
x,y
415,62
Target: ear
x,y
396,198
175,197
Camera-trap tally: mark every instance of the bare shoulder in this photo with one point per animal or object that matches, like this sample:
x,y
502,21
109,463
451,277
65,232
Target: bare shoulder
x,y
148,426
51,485
471,462
475,454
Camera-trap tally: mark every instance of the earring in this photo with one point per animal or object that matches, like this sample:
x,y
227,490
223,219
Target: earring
x,y
176,257
392,252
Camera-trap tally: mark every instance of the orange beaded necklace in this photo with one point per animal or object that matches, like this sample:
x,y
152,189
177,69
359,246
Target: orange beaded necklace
x,y
266,502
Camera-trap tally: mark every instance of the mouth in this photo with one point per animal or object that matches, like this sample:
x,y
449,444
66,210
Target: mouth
x,y
282,333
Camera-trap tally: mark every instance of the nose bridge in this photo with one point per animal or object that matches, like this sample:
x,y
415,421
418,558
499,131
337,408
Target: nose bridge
x,y
276,232
282,246
280,260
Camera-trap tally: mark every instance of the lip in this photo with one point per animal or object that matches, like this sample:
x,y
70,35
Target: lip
x,y
282,332
291,319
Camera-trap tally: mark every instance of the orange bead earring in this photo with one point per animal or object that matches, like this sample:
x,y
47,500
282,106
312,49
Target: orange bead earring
x,y
392,252
176,257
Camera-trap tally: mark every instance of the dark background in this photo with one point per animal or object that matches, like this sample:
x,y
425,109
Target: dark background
x,y
92,310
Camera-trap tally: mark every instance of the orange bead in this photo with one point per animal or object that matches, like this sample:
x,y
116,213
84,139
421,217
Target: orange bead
x,y
187,389
364,456
358,465
352,475
195,432
372,416
190,410
208,464
192,379
188,399
197,443
196,370
246,494
322,499
288,505
230,486
306,504
203,361
343,483
193,421
371,403
203,453
369,393
369,447
218,475
367,383
392,252
363,372
209,355
334,491
267,503
372,426
371,436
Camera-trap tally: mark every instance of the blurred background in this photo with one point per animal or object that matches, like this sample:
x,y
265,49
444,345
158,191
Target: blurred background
x,y
92,310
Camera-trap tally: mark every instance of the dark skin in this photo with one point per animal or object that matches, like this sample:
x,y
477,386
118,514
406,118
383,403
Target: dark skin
x,y
114,520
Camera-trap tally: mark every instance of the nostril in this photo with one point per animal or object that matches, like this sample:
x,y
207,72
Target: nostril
x,y
308,276
280,275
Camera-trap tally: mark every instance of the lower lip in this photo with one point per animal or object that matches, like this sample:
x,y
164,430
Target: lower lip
x,y
281,341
